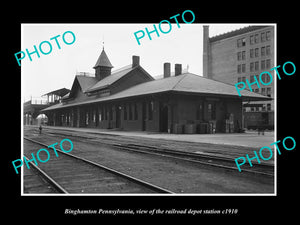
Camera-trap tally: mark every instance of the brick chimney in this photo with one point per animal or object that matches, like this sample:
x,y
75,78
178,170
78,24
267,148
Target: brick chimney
x,y
167,70
135,61
206,50
178,69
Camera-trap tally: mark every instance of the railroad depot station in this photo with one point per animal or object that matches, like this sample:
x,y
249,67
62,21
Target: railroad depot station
x,y
131,99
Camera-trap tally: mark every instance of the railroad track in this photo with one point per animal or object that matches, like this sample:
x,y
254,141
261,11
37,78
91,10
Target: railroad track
x,y
212,160
68,173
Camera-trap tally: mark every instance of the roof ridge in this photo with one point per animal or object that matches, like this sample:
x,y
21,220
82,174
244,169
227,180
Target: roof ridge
x,y
183,76
240,31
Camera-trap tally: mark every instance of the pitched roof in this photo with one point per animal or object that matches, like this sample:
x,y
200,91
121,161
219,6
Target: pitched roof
x,y
189,83
110,79
184,83
103,60
236,32
60,92
85,81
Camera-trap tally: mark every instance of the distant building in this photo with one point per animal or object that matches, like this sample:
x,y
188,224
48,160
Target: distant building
x,y
239,55
131,99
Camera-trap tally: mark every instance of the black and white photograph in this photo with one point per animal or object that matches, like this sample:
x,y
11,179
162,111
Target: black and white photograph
x,y
158,116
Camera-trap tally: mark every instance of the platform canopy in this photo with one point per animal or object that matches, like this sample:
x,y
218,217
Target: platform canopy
x,y
59,92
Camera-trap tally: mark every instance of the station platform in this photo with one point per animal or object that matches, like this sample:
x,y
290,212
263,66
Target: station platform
x,y
247,139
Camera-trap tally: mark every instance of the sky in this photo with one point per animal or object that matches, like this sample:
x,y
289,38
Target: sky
x,y
58,69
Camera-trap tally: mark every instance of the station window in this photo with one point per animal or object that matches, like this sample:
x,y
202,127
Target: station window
x,y
269,107
150,110
110,113
105,113
100,115
135,112
211,109
130,111
86,118
243,55
199,111
125,112
94,116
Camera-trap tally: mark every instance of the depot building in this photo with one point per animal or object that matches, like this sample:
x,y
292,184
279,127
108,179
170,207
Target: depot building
x,y
131,99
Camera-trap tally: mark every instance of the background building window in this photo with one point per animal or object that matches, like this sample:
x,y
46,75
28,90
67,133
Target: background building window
x,y
251,39
268,63
251,53
256,52
256,38
263,64
263,51
256,66
269,91
263,37
268,35
268,50
243,55
239,56
243,41
243,68
239,69
251,67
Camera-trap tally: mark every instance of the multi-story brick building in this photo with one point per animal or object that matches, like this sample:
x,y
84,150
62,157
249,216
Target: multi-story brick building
x,y
239,55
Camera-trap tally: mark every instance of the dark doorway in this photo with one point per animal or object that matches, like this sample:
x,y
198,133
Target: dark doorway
x,y
265,118
118,116
144,116
163,118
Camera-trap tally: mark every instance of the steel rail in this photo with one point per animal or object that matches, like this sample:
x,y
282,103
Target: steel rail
x,y
184,156
49,179
198,160
150,186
